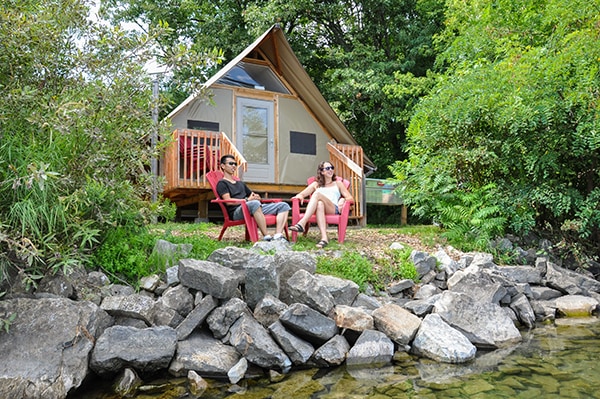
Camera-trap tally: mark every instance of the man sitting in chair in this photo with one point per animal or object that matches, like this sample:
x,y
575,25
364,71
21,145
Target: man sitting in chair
x,y
230,188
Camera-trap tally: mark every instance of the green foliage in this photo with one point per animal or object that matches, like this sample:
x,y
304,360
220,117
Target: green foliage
x,y
510,133
350,266
75,121
370,58
6,321
127,254
400,266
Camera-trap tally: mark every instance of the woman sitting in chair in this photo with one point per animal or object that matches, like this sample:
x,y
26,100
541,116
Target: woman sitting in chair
x,y
328,197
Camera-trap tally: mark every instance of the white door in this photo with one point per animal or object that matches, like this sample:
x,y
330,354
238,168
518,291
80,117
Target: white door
x,y
255,138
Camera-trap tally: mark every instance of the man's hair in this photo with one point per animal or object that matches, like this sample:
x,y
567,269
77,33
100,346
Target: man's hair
x,y
225,157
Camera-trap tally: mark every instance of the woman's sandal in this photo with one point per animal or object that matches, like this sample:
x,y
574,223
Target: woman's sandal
x,y
297,228
322,244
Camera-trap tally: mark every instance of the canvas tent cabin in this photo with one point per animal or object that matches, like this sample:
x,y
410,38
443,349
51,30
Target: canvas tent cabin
x,y
265,110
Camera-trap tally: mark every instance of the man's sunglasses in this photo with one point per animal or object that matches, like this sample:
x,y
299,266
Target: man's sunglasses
x,y
328,168
230,163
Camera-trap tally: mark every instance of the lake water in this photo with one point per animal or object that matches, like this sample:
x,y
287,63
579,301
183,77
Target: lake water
x,y
553,361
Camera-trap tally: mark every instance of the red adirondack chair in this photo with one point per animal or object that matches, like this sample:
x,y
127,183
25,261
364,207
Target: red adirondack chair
x,y
198,157
340,220
213,178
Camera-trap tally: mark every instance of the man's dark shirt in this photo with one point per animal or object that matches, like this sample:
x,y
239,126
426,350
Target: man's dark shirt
x,y
237,190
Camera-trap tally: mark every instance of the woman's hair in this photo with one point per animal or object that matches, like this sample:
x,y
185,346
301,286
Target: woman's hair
x,y
320,178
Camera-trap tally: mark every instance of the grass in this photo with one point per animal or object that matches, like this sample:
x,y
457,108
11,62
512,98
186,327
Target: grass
x,y
127,256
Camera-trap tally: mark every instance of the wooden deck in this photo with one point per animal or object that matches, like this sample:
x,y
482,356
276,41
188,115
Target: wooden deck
x,y
193,153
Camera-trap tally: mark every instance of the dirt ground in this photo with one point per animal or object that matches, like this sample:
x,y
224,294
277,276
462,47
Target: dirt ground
x,y
370,240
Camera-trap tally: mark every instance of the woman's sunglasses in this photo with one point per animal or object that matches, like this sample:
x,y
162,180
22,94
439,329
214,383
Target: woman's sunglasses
x,y
328,168
231,163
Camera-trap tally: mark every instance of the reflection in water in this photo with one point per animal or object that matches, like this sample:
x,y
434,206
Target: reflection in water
x,y
557,361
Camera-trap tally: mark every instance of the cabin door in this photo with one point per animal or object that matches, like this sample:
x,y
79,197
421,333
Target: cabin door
x,y
255,138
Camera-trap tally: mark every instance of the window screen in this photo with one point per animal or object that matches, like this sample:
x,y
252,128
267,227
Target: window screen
x,y
303,143
203,125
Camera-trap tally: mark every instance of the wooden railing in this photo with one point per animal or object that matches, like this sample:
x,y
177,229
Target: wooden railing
x,y
192,154
348,163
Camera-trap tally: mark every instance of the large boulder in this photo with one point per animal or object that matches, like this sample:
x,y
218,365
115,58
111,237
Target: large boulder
x,y
45,353
485,324
146,350
440,342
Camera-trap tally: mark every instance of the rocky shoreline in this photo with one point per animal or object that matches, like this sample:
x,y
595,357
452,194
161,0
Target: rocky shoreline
x,y
244,313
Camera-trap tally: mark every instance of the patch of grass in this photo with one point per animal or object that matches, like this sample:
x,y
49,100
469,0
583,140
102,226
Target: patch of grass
x,y
126,255
350,266
399,266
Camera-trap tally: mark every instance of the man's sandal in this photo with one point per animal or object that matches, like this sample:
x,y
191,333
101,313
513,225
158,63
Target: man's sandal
x,y
297,228
322,244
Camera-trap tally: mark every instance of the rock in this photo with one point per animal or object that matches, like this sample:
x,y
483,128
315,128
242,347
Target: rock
x,y
366,302
400,286
268,310
261,279
446,263
198,385
424,263
478,285
569,282
135,306
255,343
371,347
196,317
427,291
169,252
237,372
523,310
486,325
209,277
332,352
544,310
46,353
289,263
233,258
440,342
161,316
397,323
520,274
576,305
421,307
343,291
544,293
145,350
308,323
150,283
179,299
204,354
305,288
298,350
127,383
222,318
355,319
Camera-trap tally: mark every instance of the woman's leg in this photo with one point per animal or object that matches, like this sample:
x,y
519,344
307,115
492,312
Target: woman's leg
x,y
311,208
321,221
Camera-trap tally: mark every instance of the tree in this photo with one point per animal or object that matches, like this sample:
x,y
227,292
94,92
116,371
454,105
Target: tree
x,y
75,120
515,116
369,58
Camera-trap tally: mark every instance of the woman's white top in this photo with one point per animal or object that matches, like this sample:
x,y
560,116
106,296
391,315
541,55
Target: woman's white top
x,y
333,193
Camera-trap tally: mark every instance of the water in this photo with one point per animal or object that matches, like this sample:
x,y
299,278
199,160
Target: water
x,y
553,361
